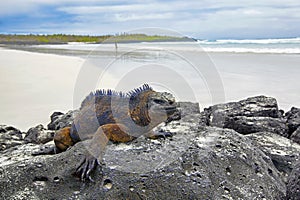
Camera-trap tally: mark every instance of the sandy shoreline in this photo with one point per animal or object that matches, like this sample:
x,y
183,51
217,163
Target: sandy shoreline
x,y
34,85
249,74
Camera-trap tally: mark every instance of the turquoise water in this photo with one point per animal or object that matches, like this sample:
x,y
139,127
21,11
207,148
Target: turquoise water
x,y
290,46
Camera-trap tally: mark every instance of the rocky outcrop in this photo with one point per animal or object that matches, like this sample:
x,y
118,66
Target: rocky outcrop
x,y
293,185
9,137
296,136
60,120
252,115
39,135
247,125
267,127
260,106
196,163
293,119
228,151
283,152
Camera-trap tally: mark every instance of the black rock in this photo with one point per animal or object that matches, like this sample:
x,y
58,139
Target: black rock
x,y
293,119
260,106
296,136
293,185
55,116
283,152
247,125
252,115
39,135
196,163
9,137
60,120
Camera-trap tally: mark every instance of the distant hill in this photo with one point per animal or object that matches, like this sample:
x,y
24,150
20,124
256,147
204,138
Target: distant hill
x,y
63,39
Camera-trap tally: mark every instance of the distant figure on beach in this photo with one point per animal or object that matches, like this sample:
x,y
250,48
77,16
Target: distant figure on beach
x,y
116,47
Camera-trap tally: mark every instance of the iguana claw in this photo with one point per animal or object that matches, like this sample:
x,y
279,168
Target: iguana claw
x,y
86,167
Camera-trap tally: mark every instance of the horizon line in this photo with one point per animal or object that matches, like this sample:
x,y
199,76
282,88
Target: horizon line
x,y
124,33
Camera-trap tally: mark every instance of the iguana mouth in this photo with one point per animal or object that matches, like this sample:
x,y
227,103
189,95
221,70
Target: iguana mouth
x,y
170,109
173,113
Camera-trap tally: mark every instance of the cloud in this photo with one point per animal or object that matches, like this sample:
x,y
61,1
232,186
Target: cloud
x,y
12,7
150,16
206,18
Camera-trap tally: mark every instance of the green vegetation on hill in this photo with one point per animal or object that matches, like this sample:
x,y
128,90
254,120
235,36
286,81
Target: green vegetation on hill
x,y
62,38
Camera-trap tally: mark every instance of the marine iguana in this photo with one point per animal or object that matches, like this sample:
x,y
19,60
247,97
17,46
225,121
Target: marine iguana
x,y
106,115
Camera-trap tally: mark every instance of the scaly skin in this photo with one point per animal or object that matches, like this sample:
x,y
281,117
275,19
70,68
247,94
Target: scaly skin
x,y
109,116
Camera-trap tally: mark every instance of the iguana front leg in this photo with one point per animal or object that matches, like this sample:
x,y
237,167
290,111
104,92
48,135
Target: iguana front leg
x,y
97,145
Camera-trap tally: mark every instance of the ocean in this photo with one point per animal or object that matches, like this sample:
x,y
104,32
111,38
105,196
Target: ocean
x,y
288,46
273,46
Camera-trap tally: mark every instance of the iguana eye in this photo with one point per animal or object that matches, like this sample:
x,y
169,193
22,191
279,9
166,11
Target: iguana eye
x,y
159,101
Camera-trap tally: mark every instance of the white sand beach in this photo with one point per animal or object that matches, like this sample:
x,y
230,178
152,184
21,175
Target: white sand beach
x,y
250,74
34,85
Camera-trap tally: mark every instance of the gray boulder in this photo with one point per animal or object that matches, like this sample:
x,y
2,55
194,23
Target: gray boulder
x,y
39,135
246,125
293,119
259,106
293,185
9,137
296,136
252,115
283,152
60,120
196,163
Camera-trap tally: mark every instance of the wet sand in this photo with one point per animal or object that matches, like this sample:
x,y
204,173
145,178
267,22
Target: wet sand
x,y
33,85
249,74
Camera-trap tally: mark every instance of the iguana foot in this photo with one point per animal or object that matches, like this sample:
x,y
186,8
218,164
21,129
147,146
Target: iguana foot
x,y
86,167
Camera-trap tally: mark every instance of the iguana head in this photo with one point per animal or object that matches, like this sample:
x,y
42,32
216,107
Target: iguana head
x,y
163,103
150,108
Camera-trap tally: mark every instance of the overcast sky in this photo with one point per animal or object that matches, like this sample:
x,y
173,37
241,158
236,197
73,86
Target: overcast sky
x,y
203,19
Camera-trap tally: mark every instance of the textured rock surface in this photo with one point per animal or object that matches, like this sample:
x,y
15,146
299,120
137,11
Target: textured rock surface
x,y
246,125
260,106
283,152
296,136
196,163
252,115
20,153
293,185
60,120
293,119
9,137
38,135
